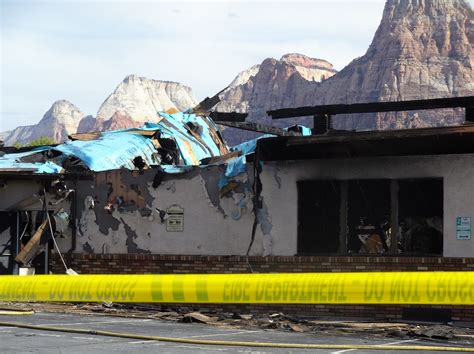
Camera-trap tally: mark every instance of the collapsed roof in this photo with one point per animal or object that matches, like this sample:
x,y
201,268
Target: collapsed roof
x,y
176,141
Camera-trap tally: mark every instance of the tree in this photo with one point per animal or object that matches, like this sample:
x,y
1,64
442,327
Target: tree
x,y
44,140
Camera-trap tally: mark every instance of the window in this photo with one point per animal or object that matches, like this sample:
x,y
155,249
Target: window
x,y
368,208
420,216
373,216
318,216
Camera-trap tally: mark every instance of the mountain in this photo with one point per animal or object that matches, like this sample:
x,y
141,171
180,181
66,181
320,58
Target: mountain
x,y
421,49
57,123
86,124
119,120
136,100
272,84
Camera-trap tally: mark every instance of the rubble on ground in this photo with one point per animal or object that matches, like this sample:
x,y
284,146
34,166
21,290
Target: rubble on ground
x,y
271,321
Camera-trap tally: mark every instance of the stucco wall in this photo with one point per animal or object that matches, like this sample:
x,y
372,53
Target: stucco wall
x,y
457,172
221,225
213,225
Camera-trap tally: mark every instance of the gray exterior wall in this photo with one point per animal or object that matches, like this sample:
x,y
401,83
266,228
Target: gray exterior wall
x,y
212,225
215,225
457,172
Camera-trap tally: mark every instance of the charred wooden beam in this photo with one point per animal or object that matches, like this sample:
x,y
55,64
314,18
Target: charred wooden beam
x,y
33,247
373,107
260,128
228,116
220,159
206,104
374,135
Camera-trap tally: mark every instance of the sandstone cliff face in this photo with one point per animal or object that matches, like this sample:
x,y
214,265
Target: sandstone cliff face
x,y
119,120
142,98
57,123
288,82
310,69
274,84
422,49
86,124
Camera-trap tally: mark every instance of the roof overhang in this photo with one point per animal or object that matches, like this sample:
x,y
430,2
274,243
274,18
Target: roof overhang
x,y
409,142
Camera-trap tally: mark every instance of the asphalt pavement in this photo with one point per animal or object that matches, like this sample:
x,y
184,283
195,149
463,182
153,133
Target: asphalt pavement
x,y
19,340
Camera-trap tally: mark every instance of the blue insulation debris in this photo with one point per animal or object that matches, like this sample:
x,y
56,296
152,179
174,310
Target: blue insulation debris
x,y
111,151
234,168
196,137
239,165
13,161
192,147
305,131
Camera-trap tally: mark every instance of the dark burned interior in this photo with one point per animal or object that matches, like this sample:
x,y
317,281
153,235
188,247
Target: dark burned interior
x,y
372,216
24,226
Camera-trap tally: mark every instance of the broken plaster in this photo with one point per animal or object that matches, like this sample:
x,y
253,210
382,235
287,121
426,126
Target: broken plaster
x,y
265,221
172,187
276,176
211,180
132,247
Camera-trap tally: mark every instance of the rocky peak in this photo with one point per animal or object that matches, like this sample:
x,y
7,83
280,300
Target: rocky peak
x,y
65,113
422,49
58,122
86,124
307,62
141,98
272,84
438,27
245,75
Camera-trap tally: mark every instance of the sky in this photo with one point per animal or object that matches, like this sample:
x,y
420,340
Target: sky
x,y
81,50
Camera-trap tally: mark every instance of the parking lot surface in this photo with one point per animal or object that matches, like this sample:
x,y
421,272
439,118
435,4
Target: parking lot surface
x,y
21,340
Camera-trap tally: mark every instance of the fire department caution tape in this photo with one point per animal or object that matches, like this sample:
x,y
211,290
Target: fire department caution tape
x,y
441,288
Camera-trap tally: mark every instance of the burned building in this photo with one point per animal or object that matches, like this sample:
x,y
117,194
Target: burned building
x,y
172,196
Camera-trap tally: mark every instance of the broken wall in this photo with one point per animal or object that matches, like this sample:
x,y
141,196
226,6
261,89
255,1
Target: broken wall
x,y
21,213
124,211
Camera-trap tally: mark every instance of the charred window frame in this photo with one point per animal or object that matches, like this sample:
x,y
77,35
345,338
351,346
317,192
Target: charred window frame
x,y
370,217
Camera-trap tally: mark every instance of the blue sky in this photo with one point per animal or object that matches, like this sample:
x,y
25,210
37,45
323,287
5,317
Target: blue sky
x,y
81,50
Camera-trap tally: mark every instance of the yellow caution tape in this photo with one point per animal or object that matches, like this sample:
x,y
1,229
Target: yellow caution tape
x,y
441,288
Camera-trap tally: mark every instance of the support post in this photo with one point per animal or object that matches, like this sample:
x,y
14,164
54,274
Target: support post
x,y
16,266
46,257
394,216
343,218
321,124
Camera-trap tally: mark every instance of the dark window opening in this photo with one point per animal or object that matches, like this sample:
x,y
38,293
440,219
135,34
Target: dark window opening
x,y
368,216
420,216
318,215
378,216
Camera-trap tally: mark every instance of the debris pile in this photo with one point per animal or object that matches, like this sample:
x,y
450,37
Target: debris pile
x,y
271,321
